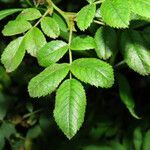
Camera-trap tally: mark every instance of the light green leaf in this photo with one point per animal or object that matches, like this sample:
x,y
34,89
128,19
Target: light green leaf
x,y
8,12
146,141
50,27
141,7
48,80
116,13
62,24
16,27
70,107
138,138
126,95
106,41
93,71
29,14
135,52
85,16
13,54
34,40
82,43
51,52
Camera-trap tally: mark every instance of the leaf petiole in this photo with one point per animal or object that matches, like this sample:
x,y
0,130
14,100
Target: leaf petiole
x,y
98,2
99,22
47,12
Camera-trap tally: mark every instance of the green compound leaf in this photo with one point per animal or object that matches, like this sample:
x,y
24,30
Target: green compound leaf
x,y
8,12
48,80
141,7
126,95
16,27
106,41
50,27
82,43
116,13
135,52
93,71
51,52
34,40
13,54
85,16
29,14
70,107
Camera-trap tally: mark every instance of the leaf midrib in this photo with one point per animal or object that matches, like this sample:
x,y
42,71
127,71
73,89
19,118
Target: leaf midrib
x,y
118,13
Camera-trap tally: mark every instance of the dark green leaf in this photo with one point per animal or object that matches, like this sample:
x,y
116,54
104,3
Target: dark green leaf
x,y
138,138
146,141
106,42
7,129
2,142
126,95
135,52
34,132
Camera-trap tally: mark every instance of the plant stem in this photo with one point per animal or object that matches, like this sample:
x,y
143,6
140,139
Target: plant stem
x,y
98,2
48,11
32,113
70,53
50,3
70,22
64,14
119,64
98,22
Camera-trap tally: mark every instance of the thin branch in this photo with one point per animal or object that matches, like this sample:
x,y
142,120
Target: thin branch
x,y
47,12
98,22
